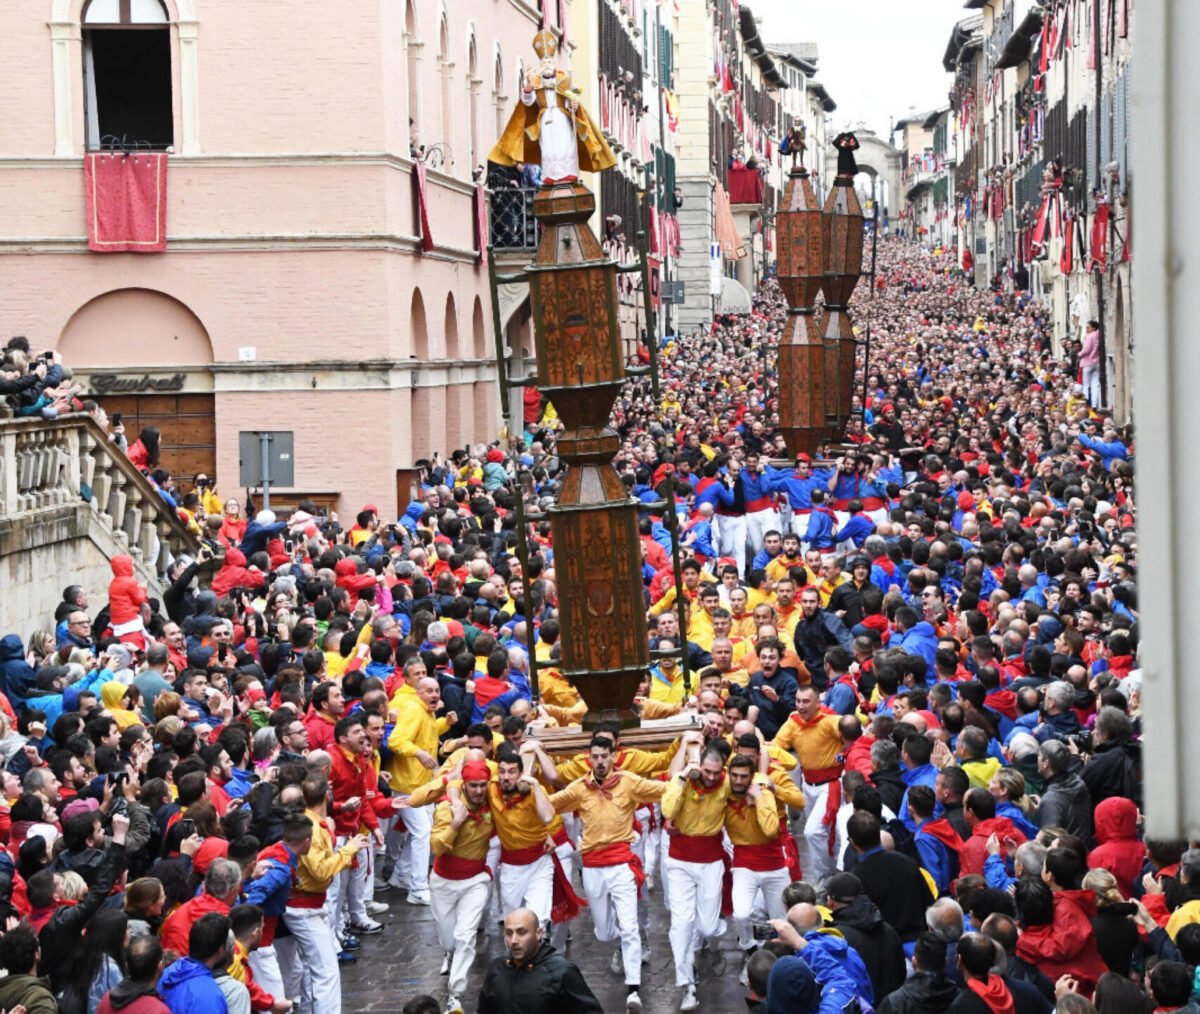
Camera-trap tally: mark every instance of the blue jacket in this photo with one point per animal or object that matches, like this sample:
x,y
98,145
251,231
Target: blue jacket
x,y
271,890
772,714
996,873
1109,452
792,989
52,705
798,491
17,678
703,543
834,961
715,493
938,858
856,529
257,536
754,487
1021,822
926,774
188,987
762,558
919,640
820,531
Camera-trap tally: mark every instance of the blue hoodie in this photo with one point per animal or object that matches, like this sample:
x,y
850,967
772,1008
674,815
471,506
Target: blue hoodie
x,y
17,678
919,640
835,963
188,987
257,536
792,989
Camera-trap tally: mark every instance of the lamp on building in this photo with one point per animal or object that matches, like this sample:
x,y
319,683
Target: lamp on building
x,y
843,236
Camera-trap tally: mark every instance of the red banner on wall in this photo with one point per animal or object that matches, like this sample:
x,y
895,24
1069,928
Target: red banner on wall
x,y
421,183
126,197
482,232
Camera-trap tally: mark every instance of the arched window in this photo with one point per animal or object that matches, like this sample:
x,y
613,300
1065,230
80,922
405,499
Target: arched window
x,y
450,328
412,66
445,85
473,86
418,329
499,98
478,332
127,73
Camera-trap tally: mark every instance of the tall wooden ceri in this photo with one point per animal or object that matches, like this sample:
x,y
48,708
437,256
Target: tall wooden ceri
x,y
801,266
597,558
843,245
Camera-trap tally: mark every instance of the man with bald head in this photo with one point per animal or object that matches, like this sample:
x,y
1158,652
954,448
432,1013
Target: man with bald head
x,y
534,978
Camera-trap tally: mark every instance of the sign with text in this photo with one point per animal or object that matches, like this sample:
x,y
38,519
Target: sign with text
x,y
146,383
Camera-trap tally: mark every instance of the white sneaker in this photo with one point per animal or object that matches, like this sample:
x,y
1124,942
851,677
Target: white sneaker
x,y
633,1003
376,908
649,883
454,1006
689,1001
616,966
417,898
445,969
744,974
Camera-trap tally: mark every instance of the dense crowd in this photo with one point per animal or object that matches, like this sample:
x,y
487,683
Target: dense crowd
x,y
911,781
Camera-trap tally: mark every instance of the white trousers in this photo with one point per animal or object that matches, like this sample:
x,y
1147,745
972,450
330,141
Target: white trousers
x,y
748,887
695,910
529,886
612,897
346,899
758,523
412,863
1091,385
817,862
458,907
308,961
733,540
265,964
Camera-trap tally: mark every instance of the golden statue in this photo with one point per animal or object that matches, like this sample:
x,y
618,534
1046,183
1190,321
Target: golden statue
x,y
550,127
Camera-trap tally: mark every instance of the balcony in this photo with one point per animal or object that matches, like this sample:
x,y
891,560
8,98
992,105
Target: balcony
x,y
511,222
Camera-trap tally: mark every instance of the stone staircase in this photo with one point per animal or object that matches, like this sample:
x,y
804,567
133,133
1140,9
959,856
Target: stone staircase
x,y
70,500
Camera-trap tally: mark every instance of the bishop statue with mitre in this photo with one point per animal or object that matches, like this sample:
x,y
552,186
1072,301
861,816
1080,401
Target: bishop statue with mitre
x,y
550,127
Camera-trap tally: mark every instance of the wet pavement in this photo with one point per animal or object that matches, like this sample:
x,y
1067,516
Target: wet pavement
x,y
403,962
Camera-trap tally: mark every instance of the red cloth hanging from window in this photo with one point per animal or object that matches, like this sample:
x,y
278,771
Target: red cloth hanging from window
x,y
126,198
421,190
1100,238
482,233
745,186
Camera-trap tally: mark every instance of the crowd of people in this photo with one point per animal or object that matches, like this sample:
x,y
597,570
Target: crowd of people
x,y
910,780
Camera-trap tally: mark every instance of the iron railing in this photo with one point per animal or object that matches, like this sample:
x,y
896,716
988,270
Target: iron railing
x,y
511,220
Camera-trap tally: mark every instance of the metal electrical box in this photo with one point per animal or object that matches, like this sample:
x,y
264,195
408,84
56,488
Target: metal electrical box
x,y
279,458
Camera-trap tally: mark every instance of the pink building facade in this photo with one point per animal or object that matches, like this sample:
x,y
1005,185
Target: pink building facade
x,y
294,294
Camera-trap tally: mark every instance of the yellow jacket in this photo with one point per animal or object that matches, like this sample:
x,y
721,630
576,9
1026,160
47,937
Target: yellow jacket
x,y
416,729
318,867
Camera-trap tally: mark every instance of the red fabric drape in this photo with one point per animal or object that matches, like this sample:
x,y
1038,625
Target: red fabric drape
x,y
126,198
482,232
421,187
745,186
1100,238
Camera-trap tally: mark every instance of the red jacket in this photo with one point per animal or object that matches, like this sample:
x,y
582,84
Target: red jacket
x,y
1120,852
320,730
352,775
974,850
858,756
1068,945
125,594
180,922
233,574
349,578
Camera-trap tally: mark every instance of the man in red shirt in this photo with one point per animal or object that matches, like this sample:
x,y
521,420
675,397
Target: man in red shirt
x,y
327,707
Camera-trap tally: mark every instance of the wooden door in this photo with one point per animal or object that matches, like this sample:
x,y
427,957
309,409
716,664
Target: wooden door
x,y
188,425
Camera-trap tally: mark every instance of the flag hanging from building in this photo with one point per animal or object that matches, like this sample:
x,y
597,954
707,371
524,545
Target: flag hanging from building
x,y
421,192
126,200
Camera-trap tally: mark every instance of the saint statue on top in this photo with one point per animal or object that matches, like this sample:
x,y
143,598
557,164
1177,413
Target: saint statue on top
x,y
550,127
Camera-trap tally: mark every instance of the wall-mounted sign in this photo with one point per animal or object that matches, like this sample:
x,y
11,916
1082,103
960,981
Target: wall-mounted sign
x,y
116,383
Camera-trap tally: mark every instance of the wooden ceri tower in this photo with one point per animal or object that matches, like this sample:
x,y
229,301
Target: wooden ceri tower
x,y
844,253
800,229
597,559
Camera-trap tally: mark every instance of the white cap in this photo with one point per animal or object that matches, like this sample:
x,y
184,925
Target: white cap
x,y
265,517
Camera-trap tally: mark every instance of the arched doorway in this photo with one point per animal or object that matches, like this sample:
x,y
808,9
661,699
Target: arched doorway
x,y
478,332
450,328
145,356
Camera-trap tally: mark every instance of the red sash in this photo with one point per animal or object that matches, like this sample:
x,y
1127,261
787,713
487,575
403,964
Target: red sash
x,y
792,852
693,848
760,858
565,904
820,776
306,899
522,857
617,854
454,868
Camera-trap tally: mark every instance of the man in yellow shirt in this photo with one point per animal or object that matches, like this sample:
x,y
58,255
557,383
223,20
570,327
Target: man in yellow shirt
x,y
832,578
740,615
728,658
781,566
414,743
760,865
787,609
694,803
813,736
312,947
461,883
606,799
666,678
